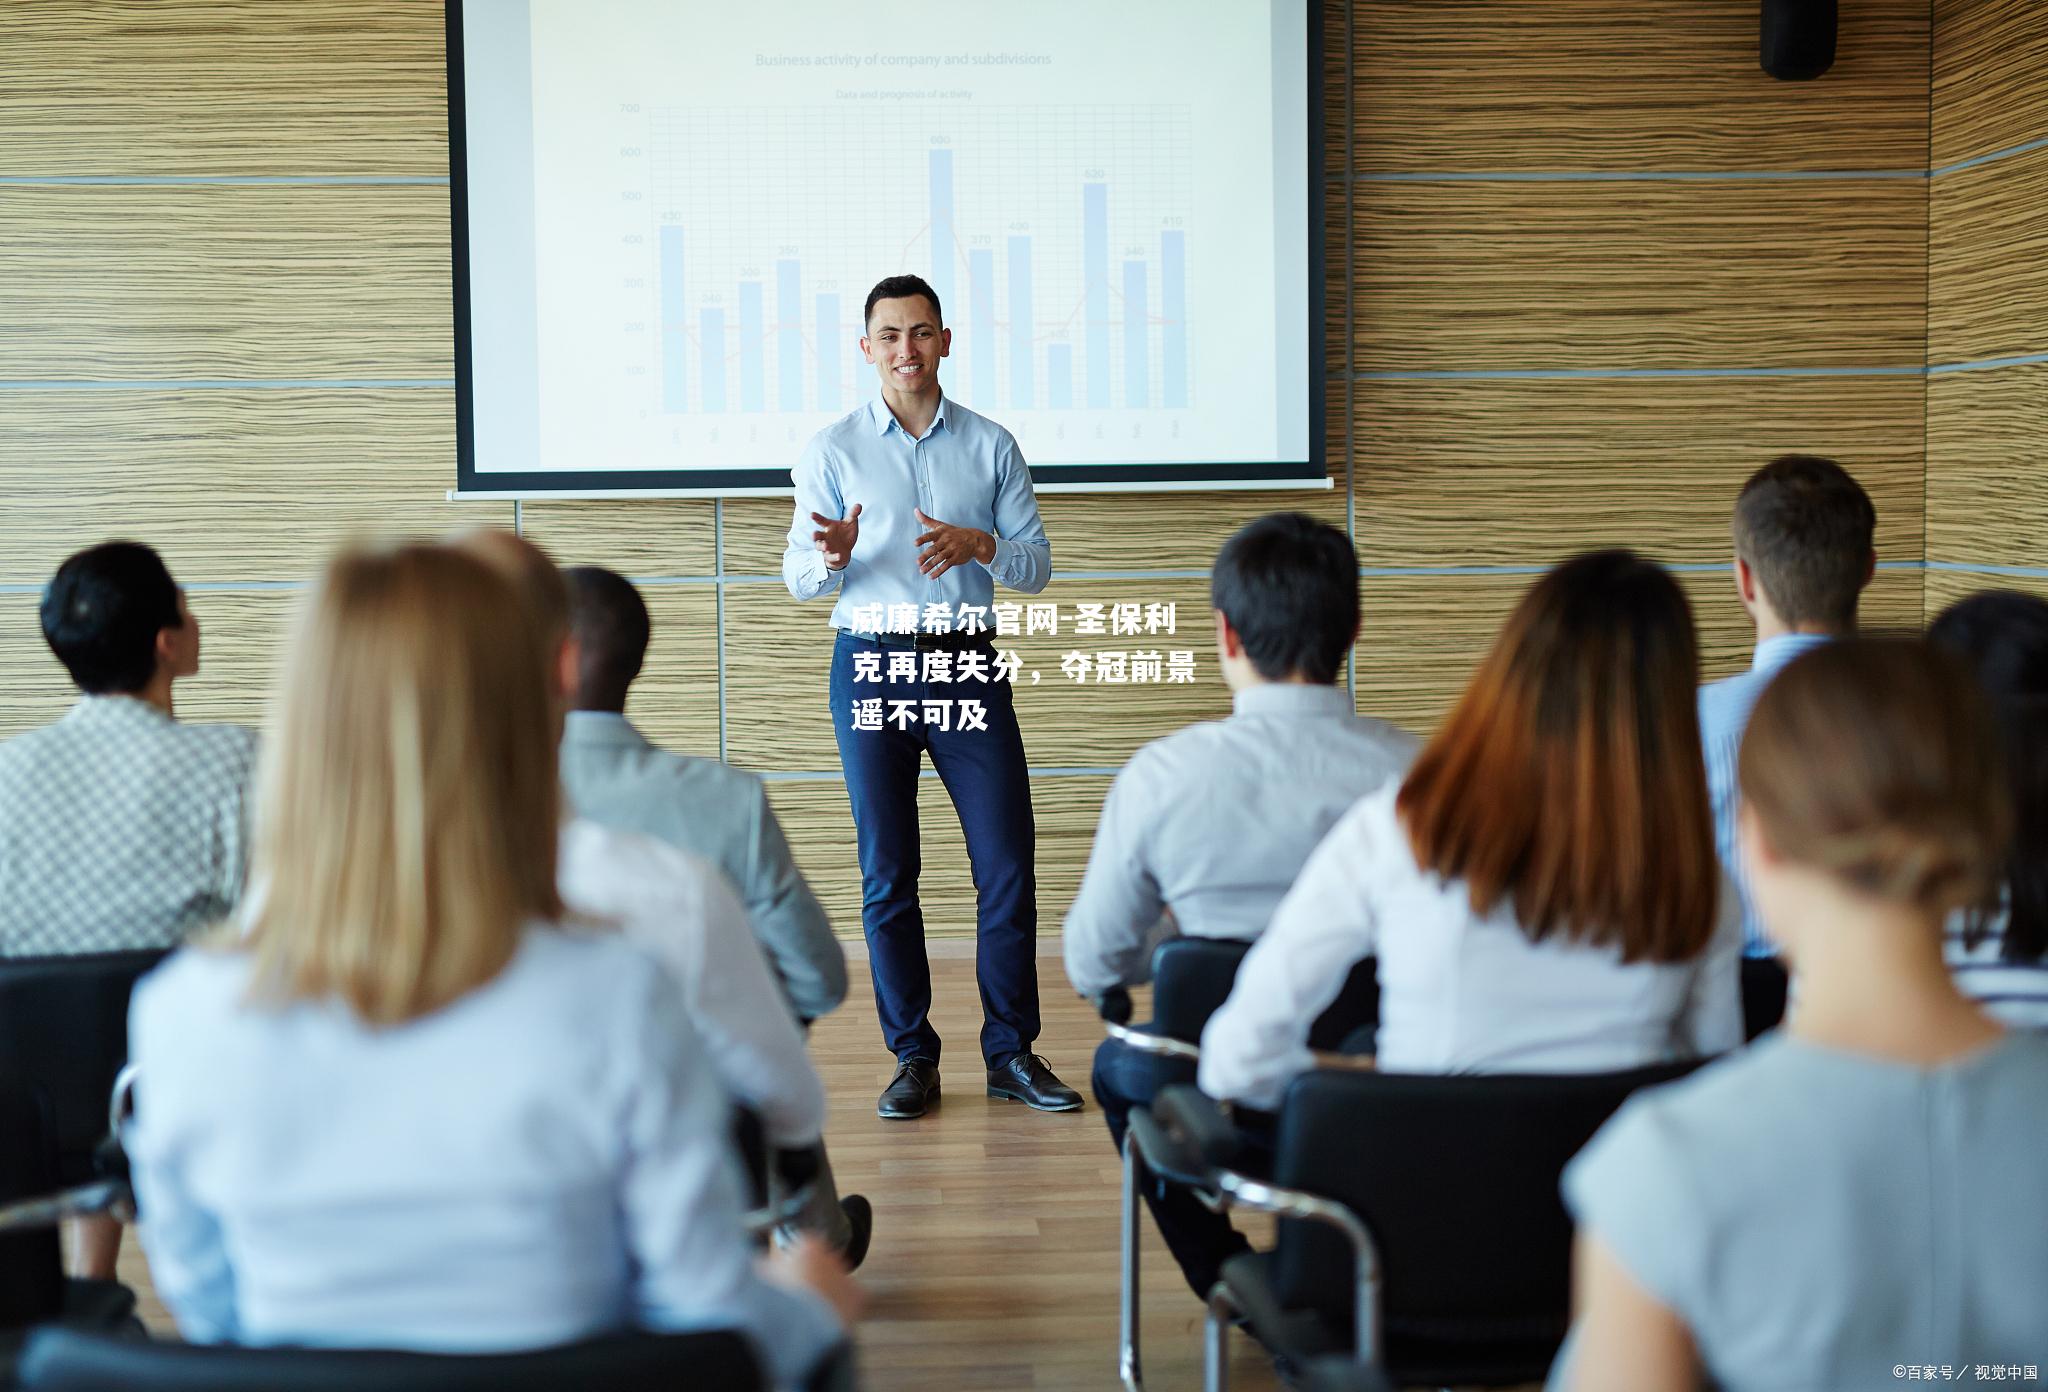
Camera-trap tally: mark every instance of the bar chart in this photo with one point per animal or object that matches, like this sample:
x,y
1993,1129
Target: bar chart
x,y
1057,240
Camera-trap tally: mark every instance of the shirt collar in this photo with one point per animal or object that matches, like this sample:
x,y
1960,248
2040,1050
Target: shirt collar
x,y
1291,699
884,420
1774,653
601,727
117,708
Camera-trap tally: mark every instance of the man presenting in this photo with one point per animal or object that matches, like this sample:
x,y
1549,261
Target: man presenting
x,y
911,507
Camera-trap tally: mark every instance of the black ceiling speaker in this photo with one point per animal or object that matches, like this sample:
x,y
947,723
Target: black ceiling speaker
x,y
1798,39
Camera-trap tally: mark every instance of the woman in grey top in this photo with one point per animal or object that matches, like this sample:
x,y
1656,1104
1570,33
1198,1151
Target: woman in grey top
x,y
1859,1197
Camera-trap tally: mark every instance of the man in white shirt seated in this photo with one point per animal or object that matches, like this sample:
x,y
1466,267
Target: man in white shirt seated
x,y
1204,831
121,827
681,908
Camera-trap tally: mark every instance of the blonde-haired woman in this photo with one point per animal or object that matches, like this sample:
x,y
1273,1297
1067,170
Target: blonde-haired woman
x,y
410,1105
1859,1193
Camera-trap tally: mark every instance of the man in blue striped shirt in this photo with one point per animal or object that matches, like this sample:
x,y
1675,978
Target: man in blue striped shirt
x,y
1803,553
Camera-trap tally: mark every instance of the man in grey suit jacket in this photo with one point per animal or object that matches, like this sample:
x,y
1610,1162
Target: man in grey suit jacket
x,y
616,777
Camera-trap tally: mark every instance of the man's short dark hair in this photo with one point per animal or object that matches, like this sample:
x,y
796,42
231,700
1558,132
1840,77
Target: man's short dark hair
x,y
900,288
609,621
102,612
1288,584
1806,528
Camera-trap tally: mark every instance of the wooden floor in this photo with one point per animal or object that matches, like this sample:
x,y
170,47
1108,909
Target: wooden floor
x,y
994,1263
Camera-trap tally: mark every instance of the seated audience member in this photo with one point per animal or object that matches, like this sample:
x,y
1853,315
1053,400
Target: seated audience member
x,y
682,908
1803,553
1204,830
1999,950
121,827
1860,1190
417,1102
1541,889
616,777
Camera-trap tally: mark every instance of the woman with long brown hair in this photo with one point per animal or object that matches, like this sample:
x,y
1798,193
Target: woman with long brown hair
x,y
412,1103
1859,1193
1541,891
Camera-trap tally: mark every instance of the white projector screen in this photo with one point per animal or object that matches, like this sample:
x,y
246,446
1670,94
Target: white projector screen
x,y
667,216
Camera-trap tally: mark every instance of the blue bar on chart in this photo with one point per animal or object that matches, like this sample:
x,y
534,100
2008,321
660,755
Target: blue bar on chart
x,y
1173,316
1020,322
711,348
1059,376
941,276
981,326
1095,288
1137,332
753,349
675,324
829,349
789,335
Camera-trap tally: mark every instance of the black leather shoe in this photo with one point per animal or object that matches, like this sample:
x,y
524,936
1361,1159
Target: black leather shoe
x,y
1027,1079
860,1216
914,1088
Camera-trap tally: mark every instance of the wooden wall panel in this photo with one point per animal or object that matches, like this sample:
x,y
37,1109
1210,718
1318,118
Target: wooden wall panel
x,y
1653,464
1422,636
636,537
1989,57
1945,587
1095,531
1988,260
1663,85
1826,273
675,701
1987,450
229,485
820,829
224,281
240,635
223,87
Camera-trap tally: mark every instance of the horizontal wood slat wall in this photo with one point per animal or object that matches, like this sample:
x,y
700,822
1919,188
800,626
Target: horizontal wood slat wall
x,y
1650,463
350,283
1633,275
1591,85
1987,428
1989,58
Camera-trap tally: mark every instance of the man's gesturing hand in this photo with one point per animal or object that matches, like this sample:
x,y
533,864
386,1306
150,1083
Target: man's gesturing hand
x,y
942,547
836,537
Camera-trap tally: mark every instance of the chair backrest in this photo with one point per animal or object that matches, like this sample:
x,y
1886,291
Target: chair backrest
x,y
1457,1179
31,1264
1191,977
64,1034
1765,987
66,1360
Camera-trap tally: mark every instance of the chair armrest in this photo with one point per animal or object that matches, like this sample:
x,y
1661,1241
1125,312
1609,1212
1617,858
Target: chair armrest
x,y
1344,1375
1144,1043
1165,1154
1199,1120
85,1201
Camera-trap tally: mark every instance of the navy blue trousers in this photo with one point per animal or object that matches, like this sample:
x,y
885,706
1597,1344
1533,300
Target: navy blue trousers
x,y
985,773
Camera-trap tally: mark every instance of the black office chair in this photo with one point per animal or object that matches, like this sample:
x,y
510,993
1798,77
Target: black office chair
x,y
62,1360
64,1033
1422,1231
1765,987
1191,978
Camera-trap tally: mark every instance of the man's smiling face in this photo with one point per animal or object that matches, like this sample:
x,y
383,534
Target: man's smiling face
x,y
905,342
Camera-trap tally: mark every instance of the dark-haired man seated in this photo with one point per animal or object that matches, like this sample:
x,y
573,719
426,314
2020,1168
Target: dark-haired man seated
x,y
1804,551
1204,831
121,827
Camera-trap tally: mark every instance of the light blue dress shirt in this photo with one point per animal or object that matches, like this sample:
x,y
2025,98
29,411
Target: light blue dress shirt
x,y
965,471
1724,714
